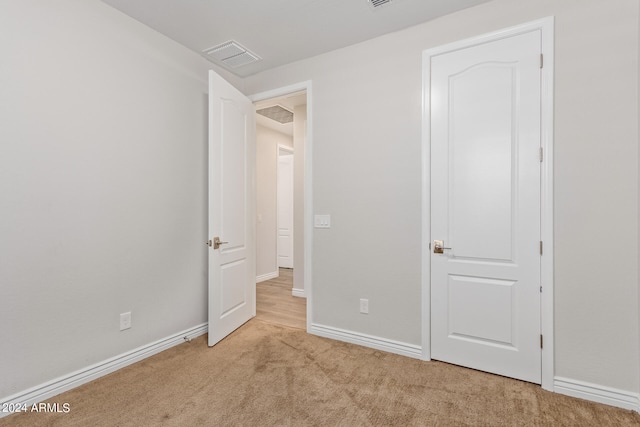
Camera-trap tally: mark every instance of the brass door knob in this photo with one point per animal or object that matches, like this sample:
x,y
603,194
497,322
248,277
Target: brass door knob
x,y
438,247
217,243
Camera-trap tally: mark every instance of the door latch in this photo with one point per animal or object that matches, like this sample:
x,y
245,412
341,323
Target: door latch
x,y
215,243
438,247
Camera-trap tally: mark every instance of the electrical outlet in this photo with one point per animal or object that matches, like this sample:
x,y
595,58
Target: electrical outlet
x,y
125,321
364,306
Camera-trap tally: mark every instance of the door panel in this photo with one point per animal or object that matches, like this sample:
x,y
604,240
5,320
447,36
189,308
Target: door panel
x,y
232,297
231,208
485,206
468,318
481,173
285,211
233,175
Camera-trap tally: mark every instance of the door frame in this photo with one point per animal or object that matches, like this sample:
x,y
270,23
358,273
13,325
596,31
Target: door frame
x,y
546,27
308,184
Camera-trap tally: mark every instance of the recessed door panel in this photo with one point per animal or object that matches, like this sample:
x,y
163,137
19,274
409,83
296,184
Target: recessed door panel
x,y
482,169
234,140
481,309
232,296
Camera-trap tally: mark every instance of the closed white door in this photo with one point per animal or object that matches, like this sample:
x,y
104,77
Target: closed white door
x,y
485,206
285,210
232,299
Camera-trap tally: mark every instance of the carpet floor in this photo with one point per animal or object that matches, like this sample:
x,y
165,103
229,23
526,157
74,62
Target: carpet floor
x,y
270,375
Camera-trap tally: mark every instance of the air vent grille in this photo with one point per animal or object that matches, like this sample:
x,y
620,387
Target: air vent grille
x,y
241,59
376,3
231,54
277,113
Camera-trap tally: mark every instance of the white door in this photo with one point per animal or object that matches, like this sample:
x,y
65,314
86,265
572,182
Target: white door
x,y
485,206
285,210
232,298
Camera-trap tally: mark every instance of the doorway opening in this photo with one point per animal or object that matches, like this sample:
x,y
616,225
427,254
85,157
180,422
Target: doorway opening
x,y
281,127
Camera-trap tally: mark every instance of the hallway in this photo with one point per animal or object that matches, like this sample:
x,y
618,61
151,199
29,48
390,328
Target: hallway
x,y
275,304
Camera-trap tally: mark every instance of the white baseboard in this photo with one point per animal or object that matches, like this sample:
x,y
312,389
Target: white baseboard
x,y
300,293
67,382
396,347
597,393
267,276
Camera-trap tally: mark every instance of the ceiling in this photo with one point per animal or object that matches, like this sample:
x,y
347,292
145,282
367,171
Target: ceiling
x,y
281,31
287,101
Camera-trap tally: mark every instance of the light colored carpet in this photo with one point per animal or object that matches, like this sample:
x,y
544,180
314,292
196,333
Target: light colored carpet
x,y
269,375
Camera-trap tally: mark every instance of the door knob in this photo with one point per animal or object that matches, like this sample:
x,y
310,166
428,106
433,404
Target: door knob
x,y
217,243
438,247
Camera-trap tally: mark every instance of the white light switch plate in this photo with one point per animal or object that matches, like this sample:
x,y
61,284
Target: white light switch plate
x,y
322,221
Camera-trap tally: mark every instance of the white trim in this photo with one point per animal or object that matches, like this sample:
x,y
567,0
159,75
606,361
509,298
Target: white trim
x,y
426,208
64,383
546,28
308,183
267,276
299,293
597,393
370,341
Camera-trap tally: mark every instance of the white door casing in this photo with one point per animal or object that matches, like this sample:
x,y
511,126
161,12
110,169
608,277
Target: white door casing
x,y
487,114
232,300
285,210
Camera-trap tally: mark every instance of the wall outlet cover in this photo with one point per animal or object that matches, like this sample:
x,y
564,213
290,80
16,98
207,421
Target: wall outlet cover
x,y
125,321
322,221
364,306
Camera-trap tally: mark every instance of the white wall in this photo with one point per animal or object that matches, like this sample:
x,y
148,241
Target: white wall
x,y
267,141
103,168
103,183
366,174
299,143
638,110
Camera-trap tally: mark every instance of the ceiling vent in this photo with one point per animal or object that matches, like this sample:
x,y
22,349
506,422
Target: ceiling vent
x,y
231,54
277,113
378,3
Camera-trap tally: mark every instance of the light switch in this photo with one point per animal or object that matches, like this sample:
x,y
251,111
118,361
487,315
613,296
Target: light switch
x,y
322,221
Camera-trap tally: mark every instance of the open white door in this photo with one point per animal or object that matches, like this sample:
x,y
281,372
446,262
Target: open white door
x,y
485,206
232,265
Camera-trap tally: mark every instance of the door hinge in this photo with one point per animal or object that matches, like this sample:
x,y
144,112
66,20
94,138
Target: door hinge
x,y
540,247
541,60
541,346
540,289
541,154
